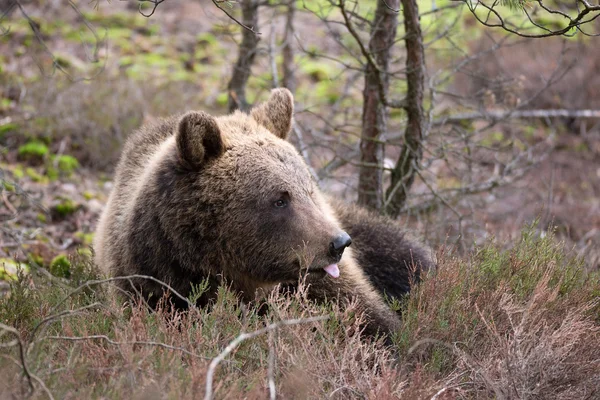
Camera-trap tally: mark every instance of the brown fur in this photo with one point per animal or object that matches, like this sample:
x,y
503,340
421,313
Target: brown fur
x,y
391,261
194,198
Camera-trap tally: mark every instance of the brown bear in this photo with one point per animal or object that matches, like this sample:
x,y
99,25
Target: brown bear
x,y
197,197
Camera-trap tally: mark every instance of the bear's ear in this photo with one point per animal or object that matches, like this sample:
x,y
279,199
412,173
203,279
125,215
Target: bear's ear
x,y
276,113
198,138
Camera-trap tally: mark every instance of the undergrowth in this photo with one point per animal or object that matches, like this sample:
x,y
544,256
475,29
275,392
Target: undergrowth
x,y
521,323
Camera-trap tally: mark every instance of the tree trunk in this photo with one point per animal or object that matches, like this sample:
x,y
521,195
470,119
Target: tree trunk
x,y
374,124
404,172
247,51
289,79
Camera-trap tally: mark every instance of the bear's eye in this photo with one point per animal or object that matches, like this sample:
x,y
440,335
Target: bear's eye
x,y
281,203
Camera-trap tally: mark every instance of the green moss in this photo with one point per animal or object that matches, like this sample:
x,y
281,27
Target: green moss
x,y
495,139
34,175
123,20
62,61
125,61
18,172
182,75
33,149
9,187
85,252
318,70
328,91
5,105
156,61
67,164
60,266
222,99
86,238
118,35
88,195
65,208
42,218
206,39
9,269
52,173
150,30
36,259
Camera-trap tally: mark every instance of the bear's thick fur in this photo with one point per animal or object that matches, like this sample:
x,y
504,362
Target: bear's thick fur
x,y
199,197
391,261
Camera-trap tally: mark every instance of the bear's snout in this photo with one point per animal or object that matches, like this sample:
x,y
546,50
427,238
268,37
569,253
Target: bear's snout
x,y
339,244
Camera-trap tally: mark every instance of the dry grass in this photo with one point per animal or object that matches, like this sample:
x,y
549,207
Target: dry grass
x,y
518,324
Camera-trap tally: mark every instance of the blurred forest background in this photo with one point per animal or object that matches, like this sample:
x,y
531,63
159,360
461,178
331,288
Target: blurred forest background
x,y
502,136
465,120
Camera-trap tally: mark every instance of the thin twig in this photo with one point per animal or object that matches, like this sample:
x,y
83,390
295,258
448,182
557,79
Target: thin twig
x,y
155,3
467,358
8,204
56,65
19,343
55,317
575,22
251,29
271,368
497,115
244,336
302,147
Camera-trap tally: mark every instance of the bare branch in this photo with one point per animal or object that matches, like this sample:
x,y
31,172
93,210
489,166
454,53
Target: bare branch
x,y
396,10
56,65
19,343
302,148
6,13
271,368
54,317
498,115
245,336
244,24
467,358
365,53
574,22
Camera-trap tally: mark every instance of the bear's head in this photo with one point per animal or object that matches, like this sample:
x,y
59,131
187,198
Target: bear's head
x,y
246,200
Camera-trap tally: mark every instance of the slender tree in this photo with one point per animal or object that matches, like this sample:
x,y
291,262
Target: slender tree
x,y
375,113
403,174
236,88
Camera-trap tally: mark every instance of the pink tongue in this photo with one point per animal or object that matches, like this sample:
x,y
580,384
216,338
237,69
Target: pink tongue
x,y
332,270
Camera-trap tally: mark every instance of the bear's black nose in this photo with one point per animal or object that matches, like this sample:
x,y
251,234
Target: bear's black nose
x,y
339,244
